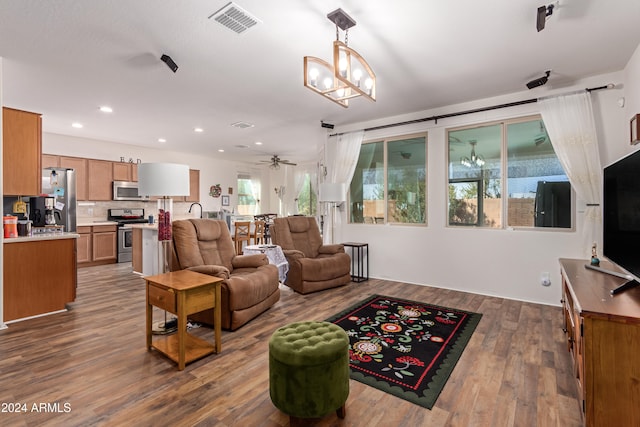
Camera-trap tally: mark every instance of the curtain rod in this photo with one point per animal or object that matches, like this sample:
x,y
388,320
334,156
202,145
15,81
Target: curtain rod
x,y
475,110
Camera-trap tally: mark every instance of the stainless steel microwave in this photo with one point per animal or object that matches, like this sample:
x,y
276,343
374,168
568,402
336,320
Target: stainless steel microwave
x,y
127,190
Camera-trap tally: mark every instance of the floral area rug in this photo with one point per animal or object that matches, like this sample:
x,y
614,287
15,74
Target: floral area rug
x,y
405,348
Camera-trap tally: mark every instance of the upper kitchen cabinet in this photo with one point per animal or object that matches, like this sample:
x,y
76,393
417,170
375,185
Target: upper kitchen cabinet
x,y
123,171
50,161
80,166
21,150
100,180
194,186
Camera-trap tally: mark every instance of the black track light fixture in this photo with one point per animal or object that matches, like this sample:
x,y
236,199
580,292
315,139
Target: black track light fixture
x,y
167,60
539,81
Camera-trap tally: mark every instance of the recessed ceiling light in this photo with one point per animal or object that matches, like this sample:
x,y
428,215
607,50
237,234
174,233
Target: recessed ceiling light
x,y
220,150
106,109
162,140
258,142
77,125
199,130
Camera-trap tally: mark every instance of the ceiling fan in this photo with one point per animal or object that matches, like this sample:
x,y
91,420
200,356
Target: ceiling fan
x,y
276,161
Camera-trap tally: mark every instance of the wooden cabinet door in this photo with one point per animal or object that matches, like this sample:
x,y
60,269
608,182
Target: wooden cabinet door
x,y
136,255
122,171
100,174
104,243
134,172
84,246
79,165
22,151
50,161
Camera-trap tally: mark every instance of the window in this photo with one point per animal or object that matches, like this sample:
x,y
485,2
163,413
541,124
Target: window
x,y
390,181
248,195
307,199
537,188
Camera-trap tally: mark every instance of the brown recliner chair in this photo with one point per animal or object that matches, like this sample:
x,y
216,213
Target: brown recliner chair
x,y
312,265
250,283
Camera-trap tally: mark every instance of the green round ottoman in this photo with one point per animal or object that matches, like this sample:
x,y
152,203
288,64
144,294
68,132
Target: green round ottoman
x,y
309,369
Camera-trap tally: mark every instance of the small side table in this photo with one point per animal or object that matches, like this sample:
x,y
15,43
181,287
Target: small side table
x,y
358,252
182,293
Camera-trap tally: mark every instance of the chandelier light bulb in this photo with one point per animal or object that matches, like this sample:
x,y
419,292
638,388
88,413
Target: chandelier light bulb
x,y
368,84
313,75
328,82
357,75
340,93
342,64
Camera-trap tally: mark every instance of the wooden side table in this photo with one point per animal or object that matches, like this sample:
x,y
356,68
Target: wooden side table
x,y
358,252
183,293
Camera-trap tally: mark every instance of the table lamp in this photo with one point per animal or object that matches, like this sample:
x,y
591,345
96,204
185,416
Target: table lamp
x,y
332,193
163,180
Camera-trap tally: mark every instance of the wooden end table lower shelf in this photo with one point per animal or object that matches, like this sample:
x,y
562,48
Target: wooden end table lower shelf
x,y
183,293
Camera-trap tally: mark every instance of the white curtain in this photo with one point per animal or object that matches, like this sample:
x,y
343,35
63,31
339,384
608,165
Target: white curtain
x,y
298,179
345,154
255,192
571,127
342,157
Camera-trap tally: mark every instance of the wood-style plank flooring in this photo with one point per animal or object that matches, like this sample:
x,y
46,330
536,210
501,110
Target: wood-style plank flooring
x,y
89,366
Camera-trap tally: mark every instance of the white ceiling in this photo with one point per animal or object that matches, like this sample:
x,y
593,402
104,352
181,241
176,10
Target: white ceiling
x,y
66,58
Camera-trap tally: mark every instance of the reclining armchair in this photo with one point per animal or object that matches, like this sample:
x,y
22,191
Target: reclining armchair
x,y
312,265
250,283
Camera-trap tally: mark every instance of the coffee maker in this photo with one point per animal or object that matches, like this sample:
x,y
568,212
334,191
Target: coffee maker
x,y
42,211
49,211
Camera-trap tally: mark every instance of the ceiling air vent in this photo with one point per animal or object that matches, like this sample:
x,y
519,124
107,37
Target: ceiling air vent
x,y
242,125
235,18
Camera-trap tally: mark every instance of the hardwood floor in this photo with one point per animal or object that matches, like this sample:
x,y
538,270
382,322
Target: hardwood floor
x,y
89,366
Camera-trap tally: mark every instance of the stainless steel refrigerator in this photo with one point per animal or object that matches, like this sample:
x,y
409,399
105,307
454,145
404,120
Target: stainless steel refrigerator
x,y
60,183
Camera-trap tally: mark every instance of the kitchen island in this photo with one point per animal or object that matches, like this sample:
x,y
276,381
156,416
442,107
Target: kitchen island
x,y
145,249
40,275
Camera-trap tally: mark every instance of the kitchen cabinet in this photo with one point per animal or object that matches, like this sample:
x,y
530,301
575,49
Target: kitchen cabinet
x,y
145,249
50,161
100,180
603,339
125,171
97,245
39,276
21,150
80,166
84,245
194,187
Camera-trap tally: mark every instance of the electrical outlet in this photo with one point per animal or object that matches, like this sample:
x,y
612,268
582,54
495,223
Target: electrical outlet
x,y
545,280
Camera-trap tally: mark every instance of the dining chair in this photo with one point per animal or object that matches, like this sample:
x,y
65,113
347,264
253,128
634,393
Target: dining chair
x,y
258,232
241,234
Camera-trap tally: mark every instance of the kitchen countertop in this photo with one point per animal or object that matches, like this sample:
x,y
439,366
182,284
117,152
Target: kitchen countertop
x,y
145,226
39,237
89,222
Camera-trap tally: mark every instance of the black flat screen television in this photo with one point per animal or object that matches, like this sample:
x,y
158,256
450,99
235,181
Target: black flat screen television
x,y
621,215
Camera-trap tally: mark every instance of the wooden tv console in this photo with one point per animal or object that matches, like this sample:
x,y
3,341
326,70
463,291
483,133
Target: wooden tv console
x,y
603,337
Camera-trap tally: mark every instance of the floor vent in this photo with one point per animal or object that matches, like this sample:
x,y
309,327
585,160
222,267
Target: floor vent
x,y
235,18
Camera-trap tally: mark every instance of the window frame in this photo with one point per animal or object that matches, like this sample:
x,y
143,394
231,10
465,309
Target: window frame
x,y
385,144
504,168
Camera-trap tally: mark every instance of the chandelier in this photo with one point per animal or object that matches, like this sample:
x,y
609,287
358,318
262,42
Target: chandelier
x,y
474,160
349,77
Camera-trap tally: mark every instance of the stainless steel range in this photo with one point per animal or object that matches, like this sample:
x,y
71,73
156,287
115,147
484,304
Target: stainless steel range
x,y
124,218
